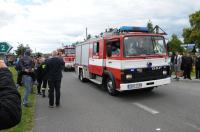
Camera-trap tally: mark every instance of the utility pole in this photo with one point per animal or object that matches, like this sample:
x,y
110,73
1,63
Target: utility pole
x,y
86,33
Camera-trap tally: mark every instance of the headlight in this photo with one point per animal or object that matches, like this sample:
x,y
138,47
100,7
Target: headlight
x,y
164,72
129,76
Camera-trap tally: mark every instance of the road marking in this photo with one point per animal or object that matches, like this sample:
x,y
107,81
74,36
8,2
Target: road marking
x,y
158,129
192,125
41,118
146,108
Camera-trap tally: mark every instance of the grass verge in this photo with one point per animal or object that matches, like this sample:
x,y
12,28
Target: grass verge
x,y
26,124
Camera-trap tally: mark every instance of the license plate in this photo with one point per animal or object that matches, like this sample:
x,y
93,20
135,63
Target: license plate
x,y
135,86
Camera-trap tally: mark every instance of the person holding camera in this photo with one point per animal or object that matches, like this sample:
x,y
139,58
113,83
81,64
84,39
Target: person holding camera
x,y
10,100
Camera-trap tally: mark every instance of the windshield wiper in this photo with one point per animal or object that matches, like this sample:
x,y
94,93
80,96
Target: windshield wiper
x,y
159,55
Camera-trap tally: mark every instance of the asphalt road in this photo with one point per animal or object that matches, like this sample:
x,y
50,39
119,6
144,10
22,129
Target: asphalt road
x,y
85,107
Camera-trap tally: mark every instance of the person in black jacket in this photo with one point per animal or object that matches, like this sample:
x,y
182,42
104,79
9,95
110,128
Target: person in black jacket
x,y
41,76
187,66
38,73
54,67
197,66
10,100
44,78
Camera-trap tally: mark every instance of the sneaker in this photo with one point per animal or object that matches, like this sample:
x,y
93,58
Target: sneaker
x,y
43,95
57,105
21,84
26,105
39,94
17,86
51,106
35,83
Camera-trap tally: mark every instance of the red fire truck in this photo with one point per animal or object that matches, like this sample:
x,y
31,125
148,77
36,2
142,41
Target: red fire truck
x,y
125,59
69,57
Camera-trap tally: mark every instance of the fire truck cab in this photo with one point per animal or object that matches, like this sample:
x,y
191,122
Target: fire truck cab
x,y
69,57
125,59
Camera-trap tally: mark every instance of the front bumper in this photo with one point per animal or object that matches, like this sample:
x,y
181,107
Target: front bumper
x,y
69,65
145,84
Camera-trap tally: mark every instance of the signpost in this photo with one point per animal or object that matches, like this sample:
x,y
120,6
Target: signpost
x,y
4,49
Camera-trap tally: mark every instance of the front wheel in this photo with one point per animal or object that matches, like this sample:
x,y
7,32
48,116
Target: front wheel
x,y
110,86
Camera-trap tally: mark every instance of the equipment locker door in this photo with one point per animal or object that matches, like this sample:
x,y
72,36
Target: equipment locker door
x,y
96,60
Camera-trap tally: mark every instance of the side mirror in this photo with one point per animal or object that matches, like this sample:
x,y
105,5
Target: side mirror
x,y
109,51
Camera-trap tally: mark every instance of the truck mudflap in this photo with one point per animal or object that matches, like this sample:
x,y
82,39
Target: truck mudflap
x,y
145,84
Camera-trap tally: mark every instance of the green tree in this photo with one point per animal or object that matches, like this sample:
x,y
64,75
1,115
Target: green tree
x,y
38,54
174,44
89,36
75,43
192,34
150,26
21,49
186,35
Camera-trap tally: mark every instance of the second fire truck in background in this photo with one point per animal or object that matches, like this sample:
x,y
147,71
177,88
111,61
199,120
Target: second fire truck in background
x,y
69,57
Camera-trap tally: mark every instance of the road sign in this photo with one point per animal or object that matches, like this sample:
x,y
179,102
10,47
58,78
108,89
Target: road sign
x,y
5,47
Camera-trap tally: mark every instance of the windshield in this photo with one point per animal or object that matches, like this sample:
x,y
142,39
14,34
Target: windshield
x,y
143,45
69,51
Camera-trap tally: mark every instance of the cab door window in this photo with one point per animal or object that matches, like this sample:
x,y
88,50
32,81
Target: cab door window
x,y
114,46
96,49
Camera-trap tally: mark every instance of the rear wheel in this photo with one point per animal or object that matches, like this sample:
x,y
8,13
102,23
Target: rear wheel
x,y
65,69
81,76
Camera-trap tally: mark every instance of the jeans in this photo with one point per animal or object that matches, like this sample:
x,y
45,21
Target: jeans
x,y
28,84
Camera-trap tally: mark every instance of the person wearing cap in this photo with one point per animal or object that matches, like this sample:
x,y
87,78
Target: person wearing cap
x,y
10,99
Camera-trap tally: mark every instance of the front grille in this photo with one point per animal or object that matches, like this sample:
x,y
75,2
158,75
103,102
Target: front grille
x,y
146,74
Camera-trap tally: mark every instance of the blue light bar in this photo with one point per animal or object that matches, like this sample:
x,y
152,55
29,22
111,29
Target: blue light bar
x,y
133,29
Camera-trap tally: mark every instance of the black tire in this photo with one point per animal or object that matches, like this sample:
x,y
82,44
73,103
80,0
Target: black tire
x,y
110,86
150,89
65,69
81,76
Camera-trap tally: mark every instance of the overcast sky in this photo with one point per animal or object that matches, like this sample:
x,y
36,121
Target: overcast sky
x,y
46,24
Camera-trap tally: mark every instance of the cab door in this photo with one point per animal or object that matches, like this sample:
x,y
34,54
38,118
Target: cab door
x,y
113,57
